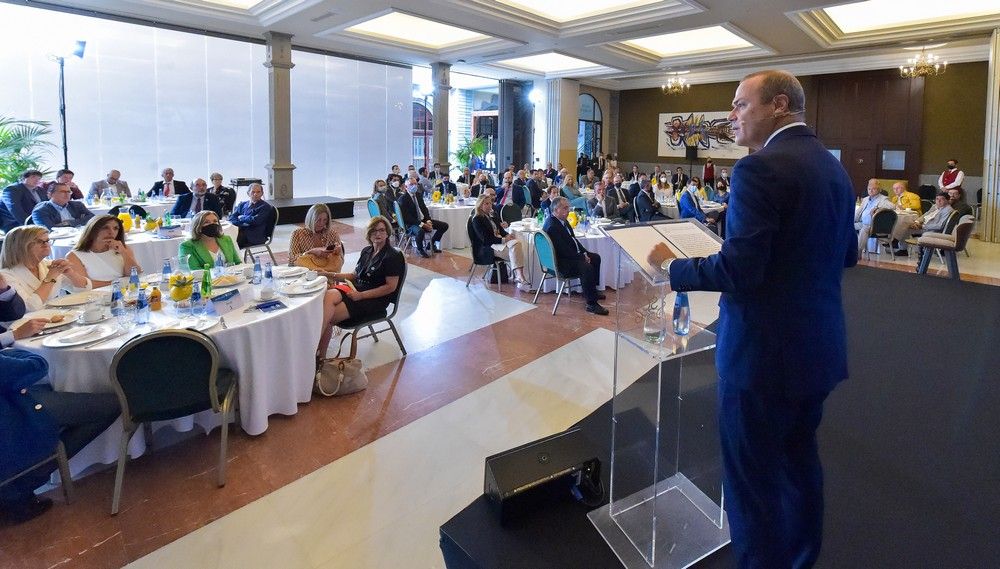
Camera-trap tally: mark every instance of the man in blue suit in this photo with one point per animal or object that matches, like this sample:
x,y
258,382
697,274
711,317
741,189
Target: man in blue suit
x,y
574,260
782,343
60,210
253,217
194,202
22,197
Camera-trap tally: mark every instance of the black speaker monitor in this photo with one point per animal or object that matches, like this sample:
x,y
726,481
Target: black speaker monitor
x,y
691,153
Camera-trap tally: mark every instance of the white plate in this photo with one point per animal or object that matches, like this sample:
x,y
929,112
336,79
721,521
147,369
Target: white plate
x,y
288,272
104,316
75,299
61,232
304,289
199,324
79,336
69,316
240,279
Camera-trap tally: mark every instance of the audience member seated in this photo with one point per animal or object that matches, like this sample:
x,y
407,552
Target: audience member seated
x,y
60,210
935,220
956,197
394,173
34,419
65,176
904,199
536,188
168,186
7,221
446,186
494,240
603,204
721,192
482,182
252,217
207,241
465,177
226,195
112,180
101,254
317,243
195,202
588,180
572,192
573,259
863,213
24,265
700,189
375,279
689,206
724,178
22,197
384,200
426,184
646,206
661,183
12,308
623,197
679,179
546,204
634,174
417,220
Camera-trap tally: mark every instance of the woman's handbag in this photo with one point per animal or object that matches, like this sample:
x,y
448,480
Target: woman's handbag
x,y
341,375
332,263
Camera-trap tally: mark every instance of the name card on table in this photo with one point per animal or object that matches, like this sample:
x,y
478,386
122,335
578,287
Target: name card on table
x,y
227,302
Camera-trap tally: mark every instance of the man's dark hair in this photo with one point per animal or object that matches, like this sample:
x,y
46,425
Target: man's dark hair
x,y
943,195
30,172
953,160
422,171
65,171
961,192
55,186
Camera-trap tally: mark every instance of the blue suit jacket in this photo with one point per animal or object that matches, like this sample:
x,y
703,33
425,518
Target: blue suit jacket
x,y
688,208
253,220
7,221
564,246
646,208
184,202
789,235
47,215
27,435
17,198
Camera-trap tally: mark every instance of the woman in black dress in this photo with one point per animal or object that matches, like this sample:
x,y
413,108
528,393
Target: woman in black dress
x,y
376,278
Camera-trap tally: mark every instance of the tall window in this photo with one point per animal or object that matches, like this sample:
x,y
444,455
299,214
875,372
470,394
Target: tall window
x,y
423,134
588,135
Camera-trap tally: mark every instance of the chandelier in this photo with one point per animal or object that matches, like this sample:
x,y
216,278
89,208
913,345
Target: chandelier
x,y
923,65
675,85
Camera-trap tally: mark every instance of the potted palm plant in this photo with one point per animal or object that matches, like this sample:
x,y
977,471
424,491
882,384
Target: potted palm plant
x,y
469,150
22,145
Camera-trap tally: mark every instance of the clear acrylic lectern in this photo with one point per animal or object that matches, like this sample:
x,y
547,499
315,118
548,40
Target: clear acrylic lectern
x,y
666,500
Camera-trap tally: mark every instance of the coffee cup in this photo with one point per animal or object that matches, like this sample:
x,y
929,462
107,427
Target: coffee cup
x,y
93,314
266,293
311,275
248,272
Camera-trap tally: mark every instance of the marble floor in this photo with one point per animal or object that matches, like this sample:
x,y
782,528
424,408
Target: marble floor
x,y
365,480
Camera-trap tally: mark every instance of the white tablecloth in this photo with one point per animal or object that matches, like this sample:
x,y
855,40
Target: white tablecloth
x,y
457,236
593,242
273,354
153,208
149,249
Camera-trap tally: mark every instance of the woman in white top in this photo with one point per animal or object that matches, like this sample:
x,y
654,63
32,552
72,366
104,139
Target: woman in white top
x,y
24,266
101,253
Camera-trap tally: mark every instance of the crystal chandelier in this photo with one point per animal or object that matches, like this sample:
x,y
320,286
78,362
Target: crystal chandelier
x,y
923,65
675,85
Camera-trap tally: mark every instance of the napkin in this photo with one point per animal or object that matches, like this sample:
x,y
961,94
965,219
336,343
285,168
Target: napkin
x,y
80,334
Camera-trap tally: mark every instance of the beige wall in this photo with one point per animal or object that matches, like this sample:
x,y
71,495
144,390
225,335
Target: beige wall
x,y
955,119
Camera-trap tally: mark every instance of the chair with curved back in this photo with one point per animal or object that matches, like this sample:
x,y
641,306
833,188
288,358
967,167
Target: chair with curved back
x,y
493,263
256,249
550,268
926,205
404,240
883,222
135,210
356,325
948,244
373,210
510,213
58,455
168,374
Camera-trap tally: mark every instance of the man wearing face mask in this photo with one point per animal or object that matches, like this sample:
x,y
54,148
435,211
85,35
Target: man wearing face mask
x,y
417,220
952,177
724,178
197,201
447,186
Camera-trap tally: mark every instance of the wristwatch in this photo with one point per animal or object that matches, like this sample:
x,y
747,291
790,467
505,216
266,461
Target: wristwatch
x,y
52,281
665,266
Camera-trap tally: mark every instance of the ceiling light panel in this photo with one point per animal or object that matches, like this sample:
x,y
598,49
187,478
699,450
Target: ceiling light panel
x,y
548,63
243,4
407,29
881,14
715,38
562,11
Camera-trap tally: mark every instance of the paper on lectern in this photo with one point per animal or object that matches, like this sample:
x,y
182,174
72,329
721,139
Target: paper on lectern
x,y
685,238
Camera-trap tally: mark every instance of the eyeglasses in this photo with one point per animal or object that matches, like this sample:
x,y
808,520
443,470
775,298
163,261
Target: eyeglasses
x,y
379,230
43,241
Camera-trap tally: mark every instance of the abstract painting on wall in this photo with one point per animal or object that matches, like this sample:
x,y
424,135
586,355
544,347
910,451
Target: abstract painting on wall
x,y
710,132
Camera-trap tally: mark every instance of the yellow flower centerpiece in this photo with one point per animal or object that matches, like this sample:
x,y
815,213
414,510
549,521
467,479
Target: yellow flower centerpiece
x,y
436,196
572,219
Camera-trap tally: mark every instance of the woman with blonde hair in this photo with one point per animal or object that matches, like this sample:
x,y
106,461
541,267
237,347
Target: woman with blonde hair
x,y
101,253
375,279
207,241
491,234
24,266
317,245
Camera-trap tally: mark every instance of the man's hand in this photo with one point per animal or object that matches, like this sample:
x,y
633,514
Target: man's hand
x,y
659,254
30,328
586,257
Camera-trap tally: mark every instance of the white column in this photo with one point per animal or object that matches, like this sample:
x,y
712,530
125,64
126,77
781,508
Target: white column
x,y
279,65
441,75
563,110
989,228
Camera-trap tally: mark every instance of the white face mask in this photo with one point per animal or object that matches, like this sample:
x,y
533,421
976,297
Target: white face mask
x,y
395,183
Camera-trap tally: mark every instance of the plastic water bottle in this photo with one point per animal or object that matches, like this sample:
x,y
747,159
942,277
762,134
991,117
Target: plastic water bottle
x,y
682,314
206,283
197,307
258,274
220,265
268,276
133,281
166,272
142,308
117,302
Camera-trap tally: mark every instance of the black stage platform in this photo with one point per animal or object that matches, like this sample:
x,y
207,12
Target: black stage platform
x,y
909,443
294,210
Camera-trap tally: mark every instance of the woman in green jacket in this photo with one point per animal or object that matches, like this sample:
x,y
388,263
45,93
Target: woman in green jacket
x,y
206,242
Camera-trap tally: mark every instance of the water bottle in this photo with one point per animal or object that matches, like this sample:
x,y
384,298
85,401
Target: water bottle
x,y
206,283
166,272
541,216
197,308
220,265
117,302
142,308
268,276
133,281
682,314
258,274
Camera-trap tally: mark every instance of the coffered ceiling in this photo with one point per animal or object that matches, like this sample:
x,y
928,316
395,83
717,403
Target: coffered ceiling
x,y
616,44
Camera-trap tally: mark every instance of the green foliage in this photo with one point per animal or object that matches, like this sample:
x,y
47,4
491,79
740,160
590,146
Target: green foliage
x,y
22,147
468,150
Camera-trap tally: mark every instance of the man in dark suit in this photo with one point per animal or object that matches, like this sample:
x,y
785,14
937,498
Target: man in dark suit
x,y
447,186
536,188
253,218
59,210
646,206
781,344
417,220
22,197
574,261
679,179
7,221
194,202
168,186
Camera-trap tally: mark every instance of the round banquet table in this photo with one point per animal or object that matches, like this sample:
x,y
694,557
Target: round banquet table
x,y
456,216
594,242
154,208
273,354
149,249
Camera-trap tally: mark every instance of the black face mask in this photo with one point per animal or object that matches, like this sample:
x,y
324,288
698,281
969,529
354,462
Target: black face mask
x,y
951,166
211,230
